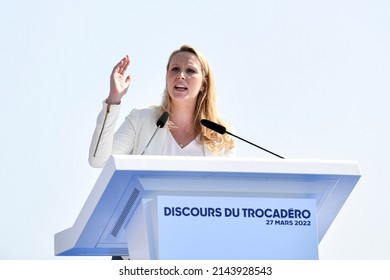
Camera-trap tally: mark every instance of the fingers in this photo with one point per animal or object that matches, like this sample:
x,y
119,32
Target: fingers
x,y
122,65
128,80
126,63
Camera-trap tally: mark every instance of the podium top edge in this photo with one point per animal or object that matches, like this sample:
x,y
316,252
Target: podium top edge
x,y
234,164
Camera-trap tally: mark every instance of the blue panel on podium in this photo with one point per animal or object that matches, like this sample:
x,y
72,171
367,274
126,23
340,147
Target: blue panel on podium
x,y
236,228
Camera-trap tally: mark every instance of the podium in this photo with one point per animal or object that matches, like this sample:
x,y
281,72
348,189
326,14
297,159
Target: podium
x,y
157,207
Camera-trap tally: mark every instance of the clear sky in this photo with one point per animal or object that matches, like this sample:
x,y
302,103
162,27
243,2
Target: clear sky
x,y
306,79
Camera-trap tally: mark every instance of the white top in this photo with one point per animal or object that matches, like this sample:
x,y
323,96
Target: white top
x,y
171,148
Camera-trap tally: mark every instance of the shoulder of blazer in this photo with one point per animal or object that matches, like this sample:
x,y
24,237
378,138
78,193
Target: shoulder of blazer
x,y
149,114
143,119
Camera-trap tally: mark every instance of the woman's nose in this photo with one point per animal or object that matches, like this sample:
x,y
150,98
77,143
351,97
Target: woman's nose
x,y
182,75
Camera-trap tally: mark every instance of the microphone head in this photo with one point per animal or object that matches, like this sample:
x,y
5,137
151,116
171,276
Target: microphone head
x,y
213,126
162,120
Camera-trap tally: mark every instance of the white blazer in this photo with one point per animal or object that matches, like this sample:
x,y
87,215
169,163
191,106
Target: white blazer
x,y
131,137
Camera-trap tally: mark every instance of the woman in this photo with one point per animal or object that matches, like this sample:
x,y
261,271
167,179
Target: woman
x,y
189,96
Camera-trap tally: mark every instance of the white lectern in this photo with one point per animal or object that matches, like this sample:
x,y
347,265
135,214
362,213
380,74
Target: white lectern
x,y
155,207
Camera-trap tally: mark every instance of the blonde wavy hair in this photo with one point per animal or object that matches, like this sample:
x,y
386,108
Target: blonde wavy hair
x,y
205,106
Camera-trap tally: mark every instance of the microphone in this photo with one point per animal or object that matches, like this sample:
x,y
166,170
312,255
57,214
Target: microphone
x,y
222,130
162,120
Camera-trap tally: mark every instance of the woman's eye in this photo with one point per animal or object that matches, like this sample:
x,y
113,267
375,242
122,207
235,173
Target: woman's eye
x,y
175,69
190,70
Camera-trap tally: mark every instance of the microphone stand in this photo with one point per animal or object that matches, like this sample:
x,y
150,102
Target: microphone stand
x,y
222,130
254,145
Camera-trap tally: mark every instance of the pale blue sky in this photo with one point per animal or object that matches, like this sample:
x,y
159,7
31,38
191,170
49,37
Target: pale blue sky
x,y
306,79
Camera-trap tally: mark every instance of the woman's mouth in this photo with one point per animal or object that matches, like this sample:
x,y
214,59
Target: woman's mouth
x,y
180,88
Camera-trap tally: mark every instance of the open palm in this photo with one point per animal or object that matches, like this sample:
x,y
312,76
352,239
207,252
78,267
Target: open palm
x,y
119,84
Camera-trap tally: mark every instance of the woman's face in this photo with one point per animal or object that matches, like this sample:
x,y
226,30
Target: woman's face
x,y
184,77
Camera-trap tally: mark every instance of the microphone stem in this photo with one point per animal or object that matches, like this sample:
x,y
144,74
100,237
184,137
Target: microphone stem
x,y
254,144
150,140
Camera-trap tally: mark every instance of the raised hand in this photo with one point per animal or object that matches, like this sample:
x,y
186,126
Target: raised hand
x,y
118,83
